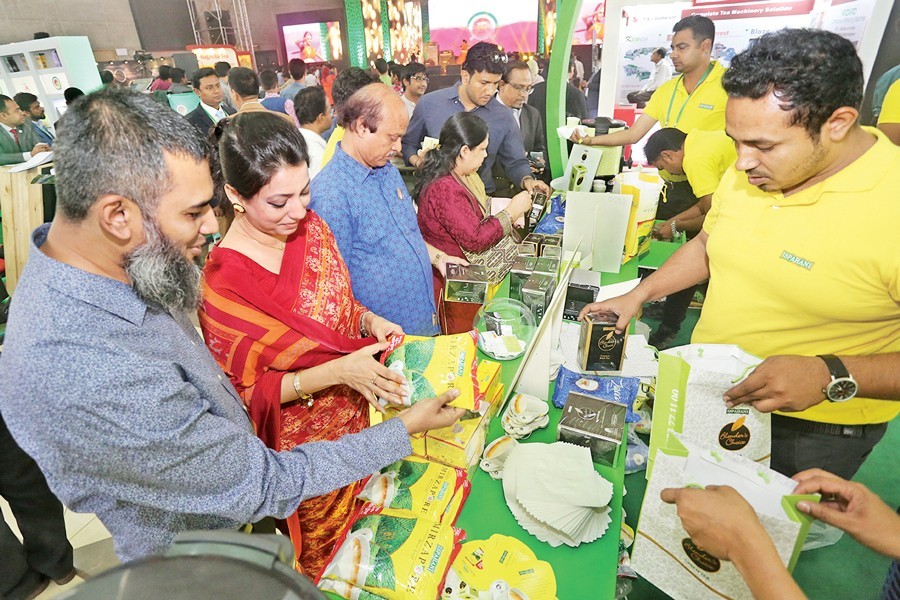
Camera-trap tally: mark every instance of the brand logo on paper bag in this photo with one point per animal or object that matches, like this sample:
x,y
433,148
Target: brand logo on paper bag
x,y
734,436
701,558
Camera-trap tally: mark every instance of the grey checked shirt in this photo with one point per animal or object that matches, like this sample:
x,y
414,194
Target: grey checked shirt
x,y
129,416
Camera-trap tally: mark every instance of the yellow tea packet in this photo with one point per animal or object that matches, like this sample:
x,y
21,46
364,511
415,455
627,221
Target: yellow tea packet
x,y
426,489
393,554
434,365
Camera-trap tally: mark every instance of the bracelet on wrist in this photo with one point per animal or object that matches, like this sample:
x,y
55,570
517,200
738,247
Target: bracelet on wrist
x,y
675,231
363,331
303,397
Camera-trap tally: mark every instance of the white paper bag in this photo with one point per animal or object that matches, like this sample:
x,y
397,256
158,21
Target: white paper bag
x,y
663,552
691,382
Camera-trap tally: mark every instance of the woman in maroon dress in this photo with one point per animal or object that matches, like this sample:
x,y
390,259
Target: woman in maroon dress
x,y
454,210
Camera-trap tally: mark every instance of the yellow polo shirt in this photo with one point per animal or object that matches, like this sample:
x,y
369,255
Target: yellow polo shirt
x,y
890,108
336,136
707,155
815,273
672,106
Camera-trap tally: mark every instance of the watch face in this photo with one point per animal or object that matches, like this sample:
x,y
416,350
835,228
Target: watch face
x,y
841,389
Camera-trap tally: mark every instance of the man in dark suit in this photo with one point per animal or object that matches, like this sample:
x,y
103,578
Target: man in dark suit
x,y
36,115
513,91
17,143
210,110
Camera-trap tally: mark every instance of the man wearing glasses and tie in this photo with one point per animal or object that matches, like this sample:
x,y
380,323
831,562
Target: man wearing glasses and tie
x,y
480,76
515,87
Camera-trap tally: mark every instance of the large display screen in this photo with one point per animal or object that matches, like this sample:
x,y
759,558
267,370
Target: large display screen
x,y
457,24
313,42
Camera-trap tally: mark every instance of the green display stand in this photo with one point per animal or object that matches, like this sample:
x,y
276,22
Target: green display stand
x,y
566,18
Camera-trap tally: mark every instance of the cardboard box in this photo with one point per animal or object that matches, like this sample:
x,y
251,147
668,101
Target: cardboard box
x,y
600,348
537,292
416,440
468,284
488,377
594,423
519,273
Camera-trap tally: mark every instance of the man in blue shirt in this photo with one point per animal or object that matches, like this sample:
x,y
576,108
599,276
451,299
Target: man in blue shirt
x,y
105,383
362,197
475,93
297,69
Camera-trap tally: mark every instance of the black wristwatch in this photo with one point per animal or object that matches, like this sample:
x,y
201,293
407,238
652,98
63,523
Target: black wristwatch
x,y
842,386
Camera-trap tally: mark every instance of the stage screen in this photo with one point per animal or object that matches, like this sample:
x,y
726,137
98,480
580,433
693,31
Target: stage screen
x,y
313,42
511,24
591,20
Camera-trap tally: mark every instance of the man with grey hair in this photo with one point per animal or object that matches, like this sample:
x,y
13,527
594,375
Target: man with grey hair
x,y
362,197
105,382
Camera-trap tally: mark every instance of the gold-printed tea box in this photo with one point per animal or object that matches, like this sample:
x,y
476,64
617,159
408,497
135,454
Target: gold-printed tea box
x,y
551,251
600,348
466,284
547,266
594,423
537,292
519,274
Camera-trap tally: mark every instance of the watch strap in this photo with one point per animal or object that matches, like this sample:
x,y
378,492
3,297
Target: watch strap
x,y
835,366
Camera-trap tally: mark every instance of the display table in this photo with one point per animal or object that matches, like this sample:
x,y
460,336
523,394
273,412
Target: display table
x,y
22,206
590,566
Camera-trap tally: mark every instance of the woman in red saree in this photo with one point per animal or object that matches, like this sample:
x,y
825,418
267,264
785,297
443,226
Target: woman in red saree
x,y
279,316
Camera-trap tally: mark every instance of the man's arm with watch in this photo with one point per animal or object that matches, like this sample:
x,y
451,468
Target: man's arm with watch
x,y
793,383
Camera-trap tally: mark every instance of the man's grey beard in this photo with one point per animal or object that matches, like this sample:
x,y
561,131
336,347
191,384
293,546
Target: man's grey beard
x,y
160,273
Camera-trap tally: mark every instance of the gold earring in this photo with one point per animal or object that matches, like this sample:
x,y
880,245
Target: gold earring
x,y
238,207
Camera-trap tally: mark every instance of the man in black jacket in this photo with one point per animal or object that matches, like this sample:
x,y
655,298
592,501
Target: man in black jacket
x,y
211,109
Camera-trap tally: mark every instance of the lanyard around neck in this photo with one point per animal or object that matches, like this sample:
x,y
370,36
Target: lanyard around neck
x,y
688,99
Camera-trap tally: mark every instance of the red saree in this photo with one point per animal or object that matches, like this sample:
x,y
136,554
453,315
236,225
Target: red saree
x,y
258,326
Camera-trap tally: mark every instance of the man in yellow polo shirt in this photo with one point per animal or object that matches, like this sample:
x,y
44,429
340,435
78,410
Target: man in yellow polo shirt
x,y
693,100
798,273
889,119
702,157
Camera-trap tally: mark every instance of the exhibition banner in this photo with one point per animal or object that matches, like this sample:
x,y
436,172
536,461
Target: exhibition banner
x,y
457,24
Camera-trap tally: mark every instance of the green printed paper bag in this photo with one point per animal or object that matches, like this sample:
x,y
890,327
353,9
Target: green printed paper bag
x,y
689,388
666,556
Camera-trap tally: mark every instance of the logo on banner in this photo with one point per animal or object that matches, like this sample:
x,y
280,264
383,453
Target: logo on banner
x,y
482,25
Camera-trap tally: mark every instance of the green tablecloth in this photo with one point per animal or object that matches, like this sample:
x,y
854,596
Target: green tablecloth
x,y
586,571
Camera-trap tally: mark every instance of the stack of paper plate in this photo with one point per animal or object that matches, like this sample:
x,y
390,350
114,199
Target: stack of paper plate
x,y
555,494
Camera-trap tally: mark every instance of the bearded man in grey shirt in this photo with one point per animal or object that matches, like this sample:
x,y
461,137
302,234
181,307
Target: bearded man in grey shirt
x,y
103,379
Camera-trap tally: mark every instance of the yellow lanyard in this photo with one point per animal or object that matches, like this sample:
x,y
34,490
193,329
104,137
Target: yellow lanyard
x,y
688,99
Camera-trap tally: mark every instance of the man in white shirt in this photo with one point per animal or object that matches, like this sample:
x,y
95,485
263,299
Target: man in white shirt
x,y
662,72
17,143
314,115
415,84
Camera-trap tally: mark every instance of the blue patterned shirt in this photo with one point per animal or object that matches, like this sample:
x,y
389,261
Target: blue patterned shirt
x,y
129,416
372,217
505,144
